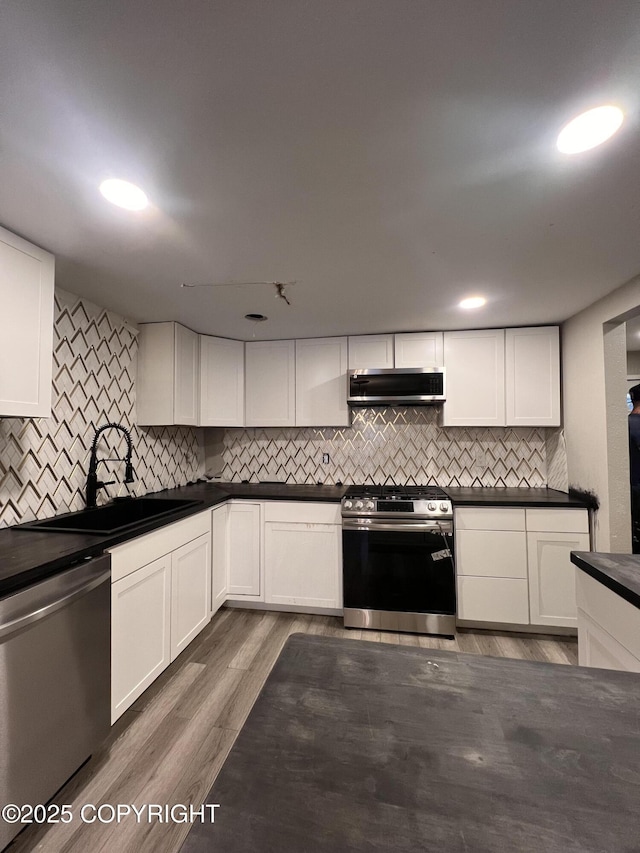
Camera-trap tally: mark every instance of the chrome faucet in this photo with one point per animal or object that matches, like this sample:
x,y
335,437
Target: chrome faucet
x,y
93,484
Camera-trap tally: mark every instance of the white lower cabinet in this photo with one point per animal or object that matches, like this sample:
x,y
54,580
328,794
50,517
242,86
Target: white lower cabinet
x,y
244,551
608,627
552,586
160,600
303,554
219,557
302,563
513,566
140,632
596,647
491,565
190,592
285,554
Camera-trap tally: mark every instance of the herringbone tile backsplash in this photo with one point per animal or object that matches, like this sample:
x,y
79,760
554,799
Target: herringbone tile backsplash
x,y
43,461
397,445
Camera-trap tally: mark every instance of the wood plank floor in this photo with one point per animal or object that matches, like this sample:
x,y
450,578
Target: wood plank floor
x,y
169,747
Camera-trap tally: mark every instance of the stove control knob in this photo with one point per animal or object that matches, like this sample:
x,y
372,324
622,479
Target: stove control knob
x,y
348,504
431,506
370,505
444,507
359,505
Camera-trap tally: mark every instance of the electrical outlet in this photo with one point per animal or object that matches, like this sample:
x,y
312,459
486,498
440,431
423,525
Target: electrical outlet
x,y
325,458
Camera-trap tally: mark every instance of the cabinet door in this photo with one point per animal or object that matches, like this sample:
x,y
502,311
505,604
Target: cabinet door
x,y
186,376
596,647
221,382
419,349
371,351
26,328
155,377
532,370
140,632
190,592
270,383
219,558
244,551
321,382
303,564
474,378
552,586
498,600
168,375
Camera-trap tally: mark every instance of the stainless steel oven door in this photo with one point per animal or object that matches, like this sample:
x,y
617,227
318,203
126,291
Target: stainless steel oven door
x,y
399,566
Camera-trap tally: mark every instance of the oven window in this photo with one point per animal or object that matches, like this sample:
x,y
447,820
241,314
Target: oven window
x,y
404,571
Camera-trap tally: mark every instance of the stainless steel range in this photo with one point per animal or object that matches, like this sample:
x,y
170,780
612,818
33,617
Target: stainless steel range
x,y
398,570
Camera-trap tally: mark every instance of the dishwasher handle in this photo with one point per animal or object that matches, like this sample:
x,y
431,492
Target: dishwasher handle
x,y
43,607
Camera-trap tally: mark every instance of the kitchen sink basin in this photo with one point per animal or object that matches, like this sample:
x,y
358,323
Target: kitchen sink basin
x,y
114,517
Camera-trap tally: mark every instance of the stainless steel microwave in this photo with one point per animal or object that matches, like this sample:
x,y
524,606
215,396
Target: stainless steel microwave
x,y
399,386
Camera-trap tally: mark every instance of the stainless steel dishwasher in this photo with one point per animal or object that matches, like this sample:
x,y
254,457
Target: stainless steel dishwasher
x,y
55,662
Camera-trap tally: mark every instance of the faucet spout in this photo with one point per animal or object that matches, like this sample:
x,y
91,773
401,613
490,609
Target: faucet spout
x,y
93,484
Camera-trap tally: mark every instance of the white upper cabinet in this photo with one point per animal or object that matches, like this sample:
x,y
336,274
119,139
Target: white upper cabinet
x,y
413,349
168,375
26,328
221,382
419,349
532,372
321,382
371,351
474,378
270,383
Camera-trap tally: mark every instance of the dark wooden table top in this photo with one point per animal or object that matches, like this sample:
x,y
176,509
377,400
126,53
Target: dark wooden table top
x,y
618,572
355,746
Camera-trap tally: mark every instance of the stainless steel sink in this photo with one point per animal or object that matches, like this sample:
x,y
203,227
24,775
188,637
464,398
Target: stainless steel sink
x,y
120,515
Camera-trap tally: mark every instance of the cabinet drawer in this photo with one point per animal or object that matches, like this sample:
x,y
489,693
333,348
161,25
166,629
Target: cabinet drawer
x,y
493,600
489,518
614,614
558,520
299,511
491,553
129,556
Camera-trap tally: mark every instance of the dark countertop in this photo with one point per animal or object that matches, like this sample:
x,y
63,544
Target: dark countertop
x,y
618,572
525,497
283,491
355,746
28,555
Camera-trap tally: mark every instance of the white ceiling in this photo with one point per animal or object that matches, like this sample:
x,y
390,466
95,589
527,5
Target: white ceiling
x,y
391,155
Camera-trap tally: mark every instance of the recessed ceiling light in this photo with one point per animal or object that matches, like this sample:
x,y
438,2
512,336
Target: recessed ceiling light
x,y
589,129
472,302
256,318
123,194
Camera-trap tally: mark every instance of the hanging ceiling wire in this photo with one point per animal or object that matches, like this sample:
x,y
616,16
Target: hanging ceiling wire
x,y
279,286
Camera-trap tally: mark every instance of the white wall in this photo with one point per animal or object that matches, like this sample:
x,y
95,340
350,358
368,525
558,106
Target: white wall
x,y
595,428
633,362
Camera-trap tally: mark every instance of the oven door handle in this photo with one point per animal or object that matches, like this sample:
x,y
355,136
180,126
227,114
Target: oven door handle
x,y
399,527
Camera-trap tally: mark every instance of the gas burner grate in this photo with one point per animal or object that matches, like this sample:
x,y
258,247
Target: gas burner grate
x,y
429,492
